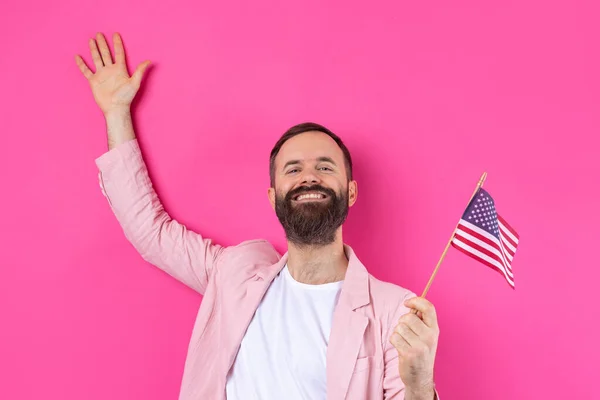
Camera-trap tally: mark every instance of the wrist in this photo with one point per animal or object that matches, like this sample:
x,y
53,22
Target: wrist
x,y
119,126
117,112
426,392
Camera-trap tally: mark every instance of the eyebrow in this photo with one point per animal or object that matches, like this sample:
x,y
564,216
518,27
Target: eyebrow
x,y
320,159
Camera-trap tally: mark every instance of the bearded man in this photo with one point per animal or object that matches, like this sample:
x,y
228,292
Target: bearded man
x,y
307,325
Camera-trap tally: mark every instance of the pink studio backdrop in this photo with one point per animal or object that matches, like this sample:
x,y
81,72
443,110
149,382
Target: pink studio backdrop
x,y
427,95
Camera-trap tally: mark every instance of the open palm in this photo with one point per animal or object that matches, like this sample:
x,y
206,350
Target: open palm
x,y
111,84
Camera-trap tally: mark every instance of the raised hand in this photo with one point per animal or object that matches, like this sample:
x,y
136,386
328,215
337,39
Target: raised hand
x,y
112,87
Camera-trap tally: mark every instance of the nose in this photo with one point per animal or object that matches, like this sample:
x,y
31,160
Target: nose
x,y
310,178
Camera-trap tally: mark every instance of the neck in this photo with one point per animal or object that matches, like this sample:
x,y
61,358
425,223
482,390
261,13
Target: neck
x,y
316,265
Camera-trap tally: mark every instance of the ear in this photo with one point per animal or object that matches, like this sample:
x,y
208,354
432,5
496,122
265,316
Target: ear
x,y
352,193
271,194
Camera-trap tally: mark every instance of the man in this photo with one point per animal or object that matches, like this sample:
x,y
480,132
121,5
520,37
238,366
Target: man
x,y
311,324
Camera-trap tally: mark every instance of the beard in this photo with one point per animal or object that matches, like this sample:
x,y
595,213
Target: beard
x,y
312,223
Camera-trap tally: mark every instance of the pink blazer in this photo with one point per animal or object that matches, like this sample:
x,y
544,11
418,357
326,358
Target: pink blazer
x,y
361,362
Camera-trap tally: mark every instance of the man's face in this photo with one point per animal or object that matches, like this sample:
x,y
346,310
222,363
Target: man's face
x,y
312,193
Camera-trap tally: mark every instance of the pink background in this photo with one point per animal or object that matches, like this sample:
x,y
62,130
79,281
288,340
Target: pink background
x,y
427,95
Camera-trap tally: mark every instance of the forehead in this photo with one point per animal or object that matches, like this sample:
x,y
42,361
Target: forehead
x,y
309,146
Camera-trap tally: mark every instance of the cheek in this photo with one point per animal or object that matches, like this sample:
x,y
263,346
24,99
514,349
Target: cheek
x,y
283,186
280,192
338,187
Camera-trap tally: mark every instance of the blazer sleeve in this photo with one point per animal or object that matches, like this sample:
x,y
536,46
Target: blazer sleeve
x,y
160,240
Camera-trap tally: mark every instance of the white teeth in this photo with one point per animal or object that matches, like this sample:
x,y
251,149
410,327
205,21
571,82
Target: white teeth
x,y
310,196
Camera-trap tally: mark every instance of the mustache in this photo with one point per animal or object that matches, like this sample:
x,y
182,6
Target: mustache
x,y
305,189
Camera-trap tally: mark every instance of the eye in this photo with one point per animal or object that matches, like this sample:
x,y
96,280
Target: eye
x,y
325,168
291,171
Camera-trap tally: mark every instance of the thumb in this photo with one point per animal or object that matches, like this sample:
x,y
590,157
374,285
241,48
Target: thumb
x,y
139,72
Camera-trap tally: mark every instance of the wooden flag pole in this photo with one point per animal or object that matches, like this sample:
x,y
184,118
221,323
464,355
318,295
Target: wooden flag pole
x,y
479,185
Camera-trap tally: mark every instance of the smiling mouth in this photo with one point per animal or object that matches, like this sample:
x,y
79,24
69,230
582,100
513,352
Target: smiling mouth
x,y
314,196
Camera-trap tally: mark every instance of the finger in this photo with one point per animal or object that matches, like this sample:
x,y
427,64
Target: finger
x,y
407,334
83,68
426,308
398,342
139,73
415,323
95,55
119,50
104,50
417,313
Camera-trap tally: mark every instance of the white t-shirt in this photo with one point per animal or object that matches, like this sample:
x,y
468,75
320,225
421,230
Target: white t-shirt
x,y
283,353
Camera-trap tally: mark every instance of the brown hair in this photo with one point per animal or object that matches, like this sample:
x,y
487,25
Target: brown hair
x,y
302,128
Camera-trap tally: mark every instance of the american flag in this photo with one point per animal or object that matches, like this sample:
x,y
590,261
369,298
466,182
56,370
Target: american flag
x,y
485,236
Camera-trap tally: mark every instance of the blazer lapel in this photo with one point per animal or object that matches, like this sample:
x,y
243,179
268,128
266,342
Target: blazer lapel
x,y
348,328
244,312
